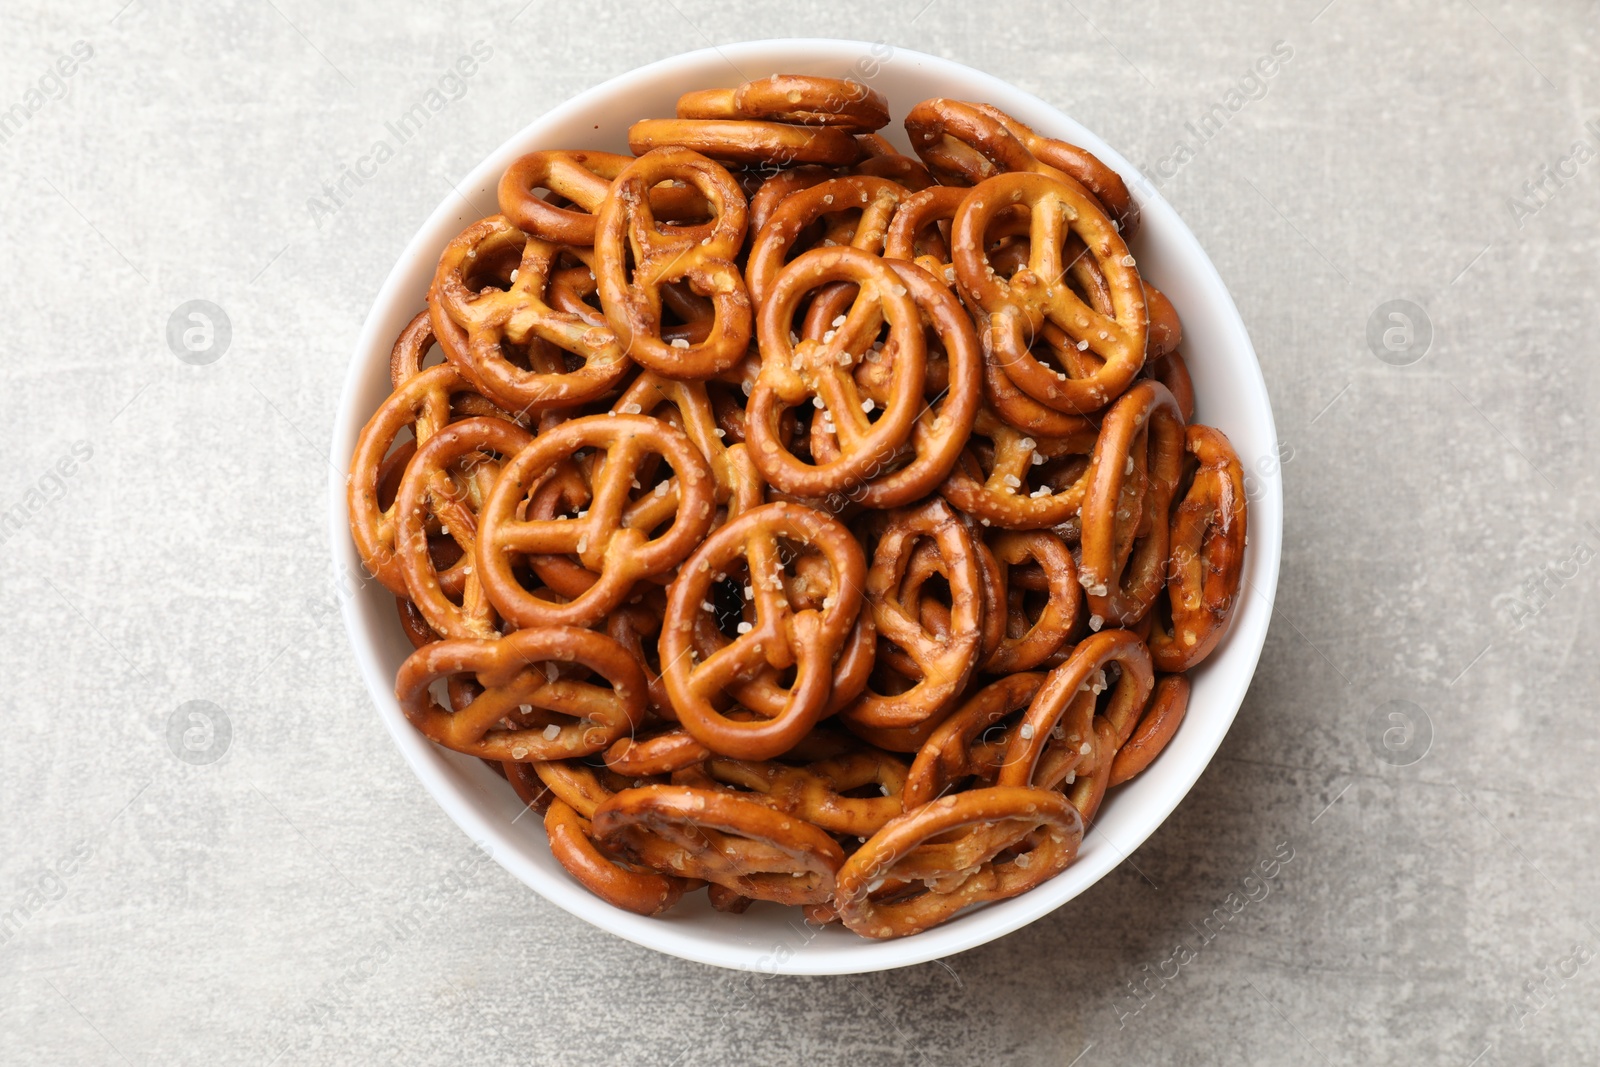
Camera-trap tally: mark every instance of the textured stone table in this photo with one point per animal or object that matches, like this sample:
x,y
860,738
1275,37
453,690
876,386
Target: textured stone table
x,y
1420,738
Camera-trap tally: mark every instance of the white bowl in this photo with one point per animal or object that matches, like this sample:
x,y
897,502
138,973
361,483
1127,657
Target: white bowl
x,y
1230,394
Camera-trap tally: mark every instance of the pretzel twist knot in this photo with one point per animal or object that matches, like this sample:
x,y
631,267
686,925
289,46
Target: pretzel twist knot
x,y
532,706
740,844
479,328
819,374
1137,462
776,633
1011,839
612,538
1207,553
942,661
798,98
703,255
1019,307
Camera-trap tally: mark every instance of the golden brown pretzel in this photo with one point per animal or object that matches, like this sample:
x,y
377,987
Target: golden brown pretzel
x,y
411,349
476,324
584,178
1062,733
945,662
612,538
1017,309
567,715
797,98
962,145
447,481
575,791
816,791
915,231
779,636
1124,560
948,412
421,405
777,188
819,373
1015,838
1206,554
1019,481
1156,728
745,846
701,255
738,482
1036,641
1166,329
747,142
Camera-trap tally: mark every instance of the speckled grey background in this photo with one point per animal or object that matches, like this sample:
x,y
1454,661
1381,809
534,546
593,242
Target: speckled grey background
x,y
164,542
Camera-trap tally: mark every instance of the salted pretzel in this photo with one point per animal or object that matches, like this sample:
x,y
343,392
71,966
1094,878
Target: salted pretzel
x,y
948,411
1157,726
817,791
1044,834
475,324
435,486
745,846
946,661
421,405
924,569
915,231
584,179
776,188
1036,640
1124,559
574,794
971,741
1166,329
746,142
965,144
1089,736
798,98
778,635
818,373
1206,553
1017,308
612,538
993,483
566,714
703,255
766,694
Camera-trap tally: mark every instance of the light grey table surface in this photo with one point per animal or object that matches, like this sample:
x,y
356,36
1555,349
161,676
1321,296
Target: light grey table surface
x,y
171,547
